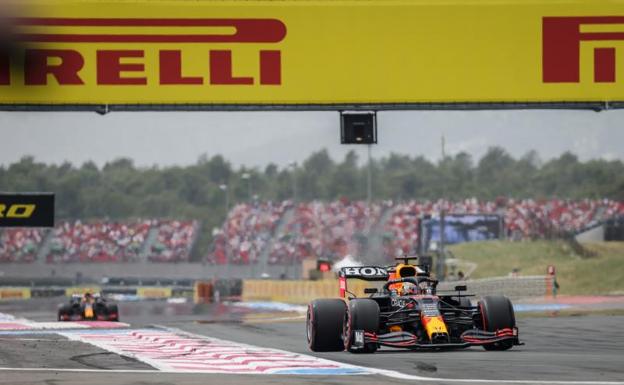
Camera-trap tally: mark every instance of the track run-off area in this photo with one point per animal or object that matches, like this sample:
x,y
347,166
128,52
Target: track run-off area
x,y
160,343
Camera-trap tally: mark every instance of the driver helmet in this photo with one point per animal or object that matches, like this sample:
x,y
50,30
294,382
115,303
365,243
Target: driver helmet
x,y
409,288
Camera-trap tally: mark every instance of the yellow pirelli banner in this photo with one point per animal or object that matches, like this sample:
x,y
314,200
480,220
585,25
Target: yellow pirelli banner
x,y
154,292
314,52
12,293
82,290
299,292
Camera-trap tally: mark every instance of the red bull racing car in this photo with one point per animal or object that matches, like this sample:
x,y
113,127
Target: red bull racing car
x,y
88,307
407,311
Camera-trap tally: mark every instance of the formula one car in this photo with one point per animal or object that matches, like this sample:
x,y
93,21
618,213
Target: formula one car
x,y
88,307
407,312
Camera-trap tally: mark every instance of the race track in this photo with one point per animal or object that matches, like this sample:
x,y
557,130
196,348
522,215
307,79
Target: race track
x,y
567,350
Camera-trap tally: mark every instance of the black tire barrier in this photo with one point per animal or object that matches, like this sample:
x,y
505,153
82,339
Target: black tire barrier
x,y
229,287
47,293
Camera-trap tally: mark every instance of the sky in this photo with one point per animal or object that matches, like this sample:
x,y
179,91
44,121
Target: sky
x,y
255,139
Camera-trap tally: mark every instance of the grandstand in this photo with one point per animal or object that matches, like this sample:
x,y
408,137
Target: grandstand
x,y
246,232
174,241
97,242
324,230
334,229
20,245
523,219
284,233
101,242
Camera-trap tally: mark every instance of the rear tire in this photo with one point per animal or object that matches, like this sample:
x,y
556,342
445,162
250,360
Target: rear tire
x,y
324,325
112,309
64,311
363,314
497,313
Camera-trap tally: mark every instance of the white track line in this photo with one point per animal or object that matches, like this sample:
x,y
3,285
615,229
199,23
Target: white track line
x,y
409,377
388,373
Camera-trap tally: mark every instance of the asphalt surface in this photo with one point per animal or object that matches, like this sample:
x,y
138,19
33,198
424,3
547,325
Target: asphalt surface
x,y
562,349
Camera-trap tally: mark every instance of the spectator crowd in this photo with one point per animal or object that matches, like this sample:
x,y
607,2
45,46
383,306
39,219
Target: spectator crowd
x,y
75,241
325,230
20,244
284,232
247,230
174,241
523,219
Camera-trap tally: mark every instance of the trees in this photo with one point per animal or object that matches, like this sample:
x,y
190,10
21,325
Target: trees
x,y
120,190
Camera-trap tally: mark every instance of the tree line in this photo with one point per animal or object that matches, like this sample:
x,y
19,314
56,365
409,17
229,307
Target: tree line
x,y
120,190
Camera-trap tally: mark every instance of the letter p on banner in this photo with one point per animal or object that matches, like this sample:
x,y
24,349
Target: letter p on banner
x,y
561,45
27,210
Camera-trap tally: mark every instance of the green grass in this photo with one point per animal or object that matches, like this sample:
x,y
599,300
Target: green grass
x,y
601,274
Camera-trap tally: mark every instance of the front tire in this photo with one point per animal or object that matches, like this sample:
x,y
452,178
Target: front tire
x,y
324,325
363,314
113,313
497,313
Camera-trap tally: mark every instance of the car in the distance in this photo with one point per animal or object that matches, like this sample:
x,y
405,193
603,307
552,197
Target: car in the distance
x,y
88,307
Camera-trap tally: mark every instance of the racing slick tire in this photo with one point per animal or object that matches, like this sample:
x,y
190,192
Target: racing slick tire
x,y
324,325
497,313
113,313
64,311
362,314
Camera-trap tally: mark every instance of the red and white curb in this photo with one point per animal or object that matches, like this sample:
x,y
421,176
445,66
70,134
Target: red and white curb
x,y
172,350
176,351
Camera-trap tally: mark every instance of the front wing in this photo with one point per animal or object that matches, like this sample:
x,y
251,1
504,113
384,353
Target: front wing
x,y
408,340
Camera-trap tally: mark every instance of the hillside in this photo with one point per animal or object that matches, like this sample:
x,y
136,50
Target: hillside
x,y
601,274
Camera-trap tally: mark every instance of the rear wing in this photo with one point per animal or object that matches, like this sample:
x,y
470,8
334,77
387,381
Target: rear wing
x,y
366,273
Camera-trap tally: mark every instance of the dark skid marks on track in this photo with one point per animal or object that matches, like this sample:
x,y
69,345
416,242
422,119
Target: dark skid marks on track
x,y
97,360
425,367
